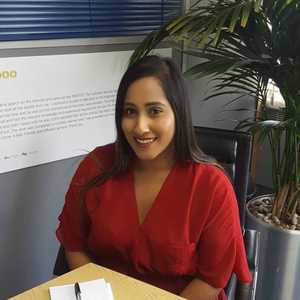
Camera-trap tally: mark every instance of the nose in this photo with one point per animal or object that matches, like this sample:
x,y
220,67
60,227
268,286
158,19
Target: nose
x,y
141,125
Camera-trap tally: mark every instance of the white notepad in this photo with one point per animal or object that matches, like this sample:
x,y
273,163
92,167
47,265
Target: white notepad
x,y
97,289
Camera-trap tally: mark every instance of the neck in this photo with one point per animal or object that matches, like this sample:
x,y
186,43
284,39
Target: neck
x,y
150,166
163,163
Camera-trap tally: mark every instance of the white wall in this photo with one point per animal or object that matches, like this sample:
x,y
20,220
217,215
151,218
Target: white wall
x,y
32,198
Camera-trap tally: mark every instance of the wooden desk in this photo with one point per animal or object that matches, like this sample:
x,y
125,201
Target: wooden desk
x,y
124,287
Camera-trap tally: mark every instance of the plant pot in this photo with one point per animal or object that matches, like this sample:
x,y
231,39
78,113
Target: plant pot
x,y
279,260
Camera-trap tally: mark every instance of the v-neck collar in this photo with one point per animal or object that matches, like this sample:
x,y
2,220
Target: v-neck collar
x,y
156,201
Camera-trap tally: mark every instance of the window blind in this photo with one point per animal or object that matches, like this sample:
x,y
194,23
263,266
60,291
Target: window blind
x,y
46,19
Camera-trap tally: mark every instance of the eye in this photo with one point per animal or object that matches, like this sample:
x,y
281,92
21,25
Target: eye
x,y
155,111
128,111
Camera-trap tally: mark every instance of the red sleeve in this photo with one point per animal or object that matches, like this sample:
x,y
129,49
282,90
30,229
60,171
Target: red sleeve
x,y
221,246
73,228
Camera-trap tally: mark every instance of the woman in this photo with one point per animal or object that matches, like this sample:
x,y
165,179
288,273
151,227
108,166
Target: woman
x,y
152,205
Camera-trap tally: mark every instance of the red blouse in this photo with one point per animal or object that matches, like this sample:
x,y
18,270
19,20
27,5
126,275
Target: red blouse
x,y
191,230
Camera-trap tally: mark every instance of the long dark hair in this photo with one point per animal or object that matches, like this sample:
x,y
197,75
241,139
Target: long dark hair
x,y
173,85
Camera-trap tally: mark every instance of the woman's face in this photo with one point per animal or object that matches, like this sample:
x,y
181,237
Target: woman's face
x,y
148,121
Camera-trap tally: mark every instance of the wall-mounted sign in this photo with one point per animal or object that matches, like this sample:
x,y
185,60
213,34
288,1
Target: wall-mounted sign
x,y
57,106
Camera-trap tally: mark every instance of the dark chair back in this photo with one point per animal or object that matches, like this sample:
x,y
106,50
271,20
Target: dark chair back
x,y
232,149
61,265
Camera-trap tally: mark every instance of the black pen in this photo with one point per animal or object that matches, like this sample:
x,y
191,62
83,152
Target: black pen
x,y
77,291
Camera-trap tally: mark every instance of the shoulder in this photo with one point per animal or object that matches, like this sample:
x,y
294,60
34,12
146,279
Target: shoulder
x,y
211,174
213,184
103,155
94,163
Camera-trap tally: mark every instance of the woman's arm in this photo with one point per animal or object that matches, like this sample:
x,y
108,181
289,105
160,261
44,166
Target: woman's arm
x,y
77,259
200,290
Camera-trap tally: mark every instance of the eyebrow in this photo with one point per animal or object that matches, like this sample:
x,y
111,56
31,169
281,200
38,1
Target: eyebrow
x,y
147,104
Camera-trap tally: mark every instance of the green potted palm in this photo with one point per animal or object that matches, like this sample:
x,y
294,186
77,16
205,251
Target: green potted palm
x,y
244,46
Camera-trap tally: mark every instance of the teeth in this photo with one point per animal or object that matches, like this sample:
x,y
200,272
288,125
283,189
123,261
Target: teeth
x,y
145,141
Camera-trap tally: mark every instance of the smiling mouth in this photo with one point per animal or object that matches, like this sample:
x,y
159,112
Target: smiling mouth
x,y
145,141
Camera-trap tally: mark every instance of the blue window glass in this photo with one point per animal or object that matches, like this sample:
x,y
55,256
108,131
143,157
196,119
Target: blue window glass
x,y
46,19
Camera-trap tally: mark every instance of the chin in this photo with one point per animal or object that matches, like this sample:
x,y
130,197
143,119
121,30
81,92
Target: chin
x,y
145,157
149,154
